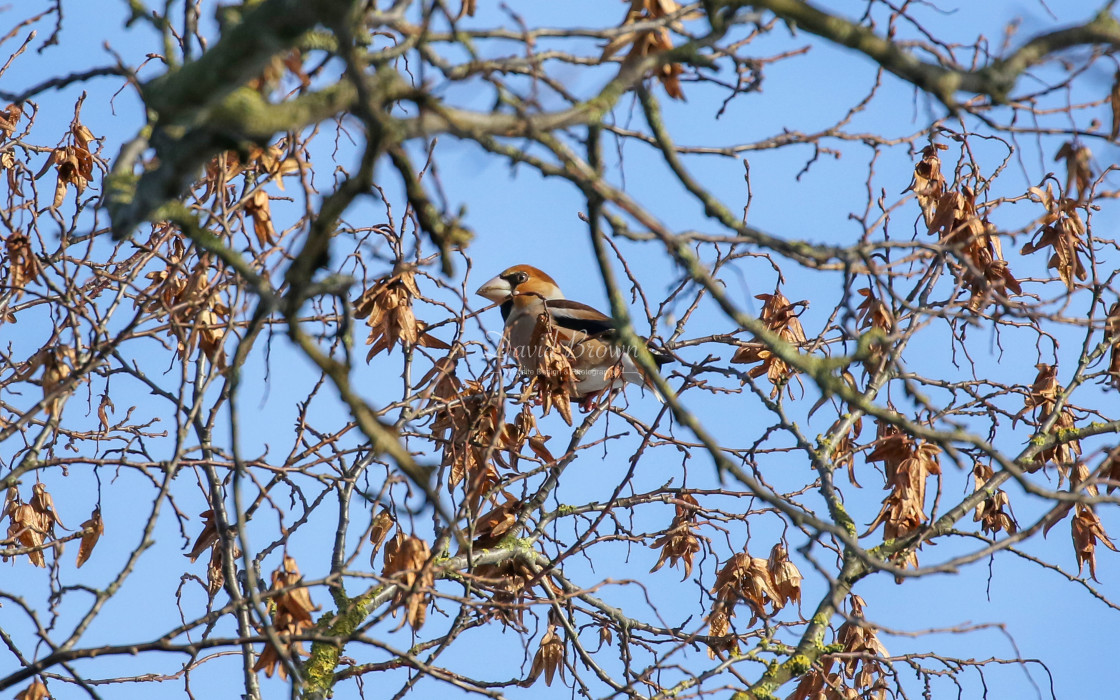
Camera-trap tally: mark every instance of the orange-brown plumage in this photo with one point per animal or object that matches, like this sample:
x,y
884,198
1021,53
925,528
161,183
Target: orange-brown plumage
x,y
526,293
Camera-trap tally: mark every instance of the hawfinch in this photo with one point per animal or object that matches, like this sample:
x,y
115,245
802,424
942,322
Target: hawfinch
x,y
598,364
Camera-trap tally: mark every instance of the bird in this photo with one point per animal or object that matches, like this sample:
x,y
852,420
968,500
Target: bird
x,y
598,362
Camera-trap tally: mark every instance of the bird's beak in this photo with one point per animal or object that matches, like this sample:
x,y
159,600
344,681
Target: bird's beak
x,y
496,290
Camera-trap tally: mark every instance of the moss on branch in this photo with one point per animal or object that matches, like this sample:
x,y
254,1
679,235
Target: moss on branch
x,y
243,52
995,80
318,669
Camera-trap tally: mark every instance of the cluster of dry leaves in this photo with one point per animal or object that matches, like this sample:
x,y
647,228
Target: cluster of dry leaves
x,y
1087,530
860,675
58,362
510,581
9,120
31,526
271,162
208,539
845,430
757,582
993,512
189,298
1063,232
780,317
22,268
550,370
1079,169
873,314
649,41
408,564
476,439
952,216
468,420
1042,401
387,309
549,657
291,610
35,691
468,423
679,542
288,62
74,163
907,463
408,561
844,445
1112,336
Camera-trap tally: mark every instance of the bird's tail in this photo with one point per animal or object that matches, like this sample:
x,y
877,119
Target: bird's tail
x,y
661,357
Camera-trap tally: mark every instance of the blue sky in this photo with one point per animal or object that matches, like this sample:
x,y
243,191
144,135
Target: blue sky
x,y
520,217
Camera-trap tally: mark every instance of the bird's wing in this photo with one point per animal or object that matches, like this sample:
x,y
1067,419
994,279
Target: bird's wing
x,y
575,316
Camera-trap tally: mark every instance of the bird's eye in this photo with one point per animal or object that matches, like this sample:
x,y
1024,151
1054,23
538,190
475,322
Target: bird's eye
x,y
520,277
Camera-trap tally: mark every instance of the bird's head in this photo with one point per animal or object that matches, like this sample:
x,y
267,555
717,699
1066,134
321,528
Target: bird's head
x,y
523,280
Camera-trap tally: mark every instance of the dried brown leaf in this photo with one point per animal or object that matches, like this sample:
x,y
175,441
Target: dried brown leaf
x,y
780,317
649,42
382,523
35,691
1112,335
23,265
206,538
990,512
407,560
92,530
1063,232
257,207
43,504
295,603
907,464
56,362
551,369
1079,171
11,502
785,576
9,118
1114,102
1110,470
26,528
549,658
747,578
291,615
679,543
719,626
873,313
606,637
215,570
490,528
928,182
103,409
1087,530
536,444
386,307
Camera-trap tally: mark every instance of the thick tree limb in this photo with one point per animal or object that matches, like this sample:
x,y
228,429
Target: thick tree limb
x,y
995,80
